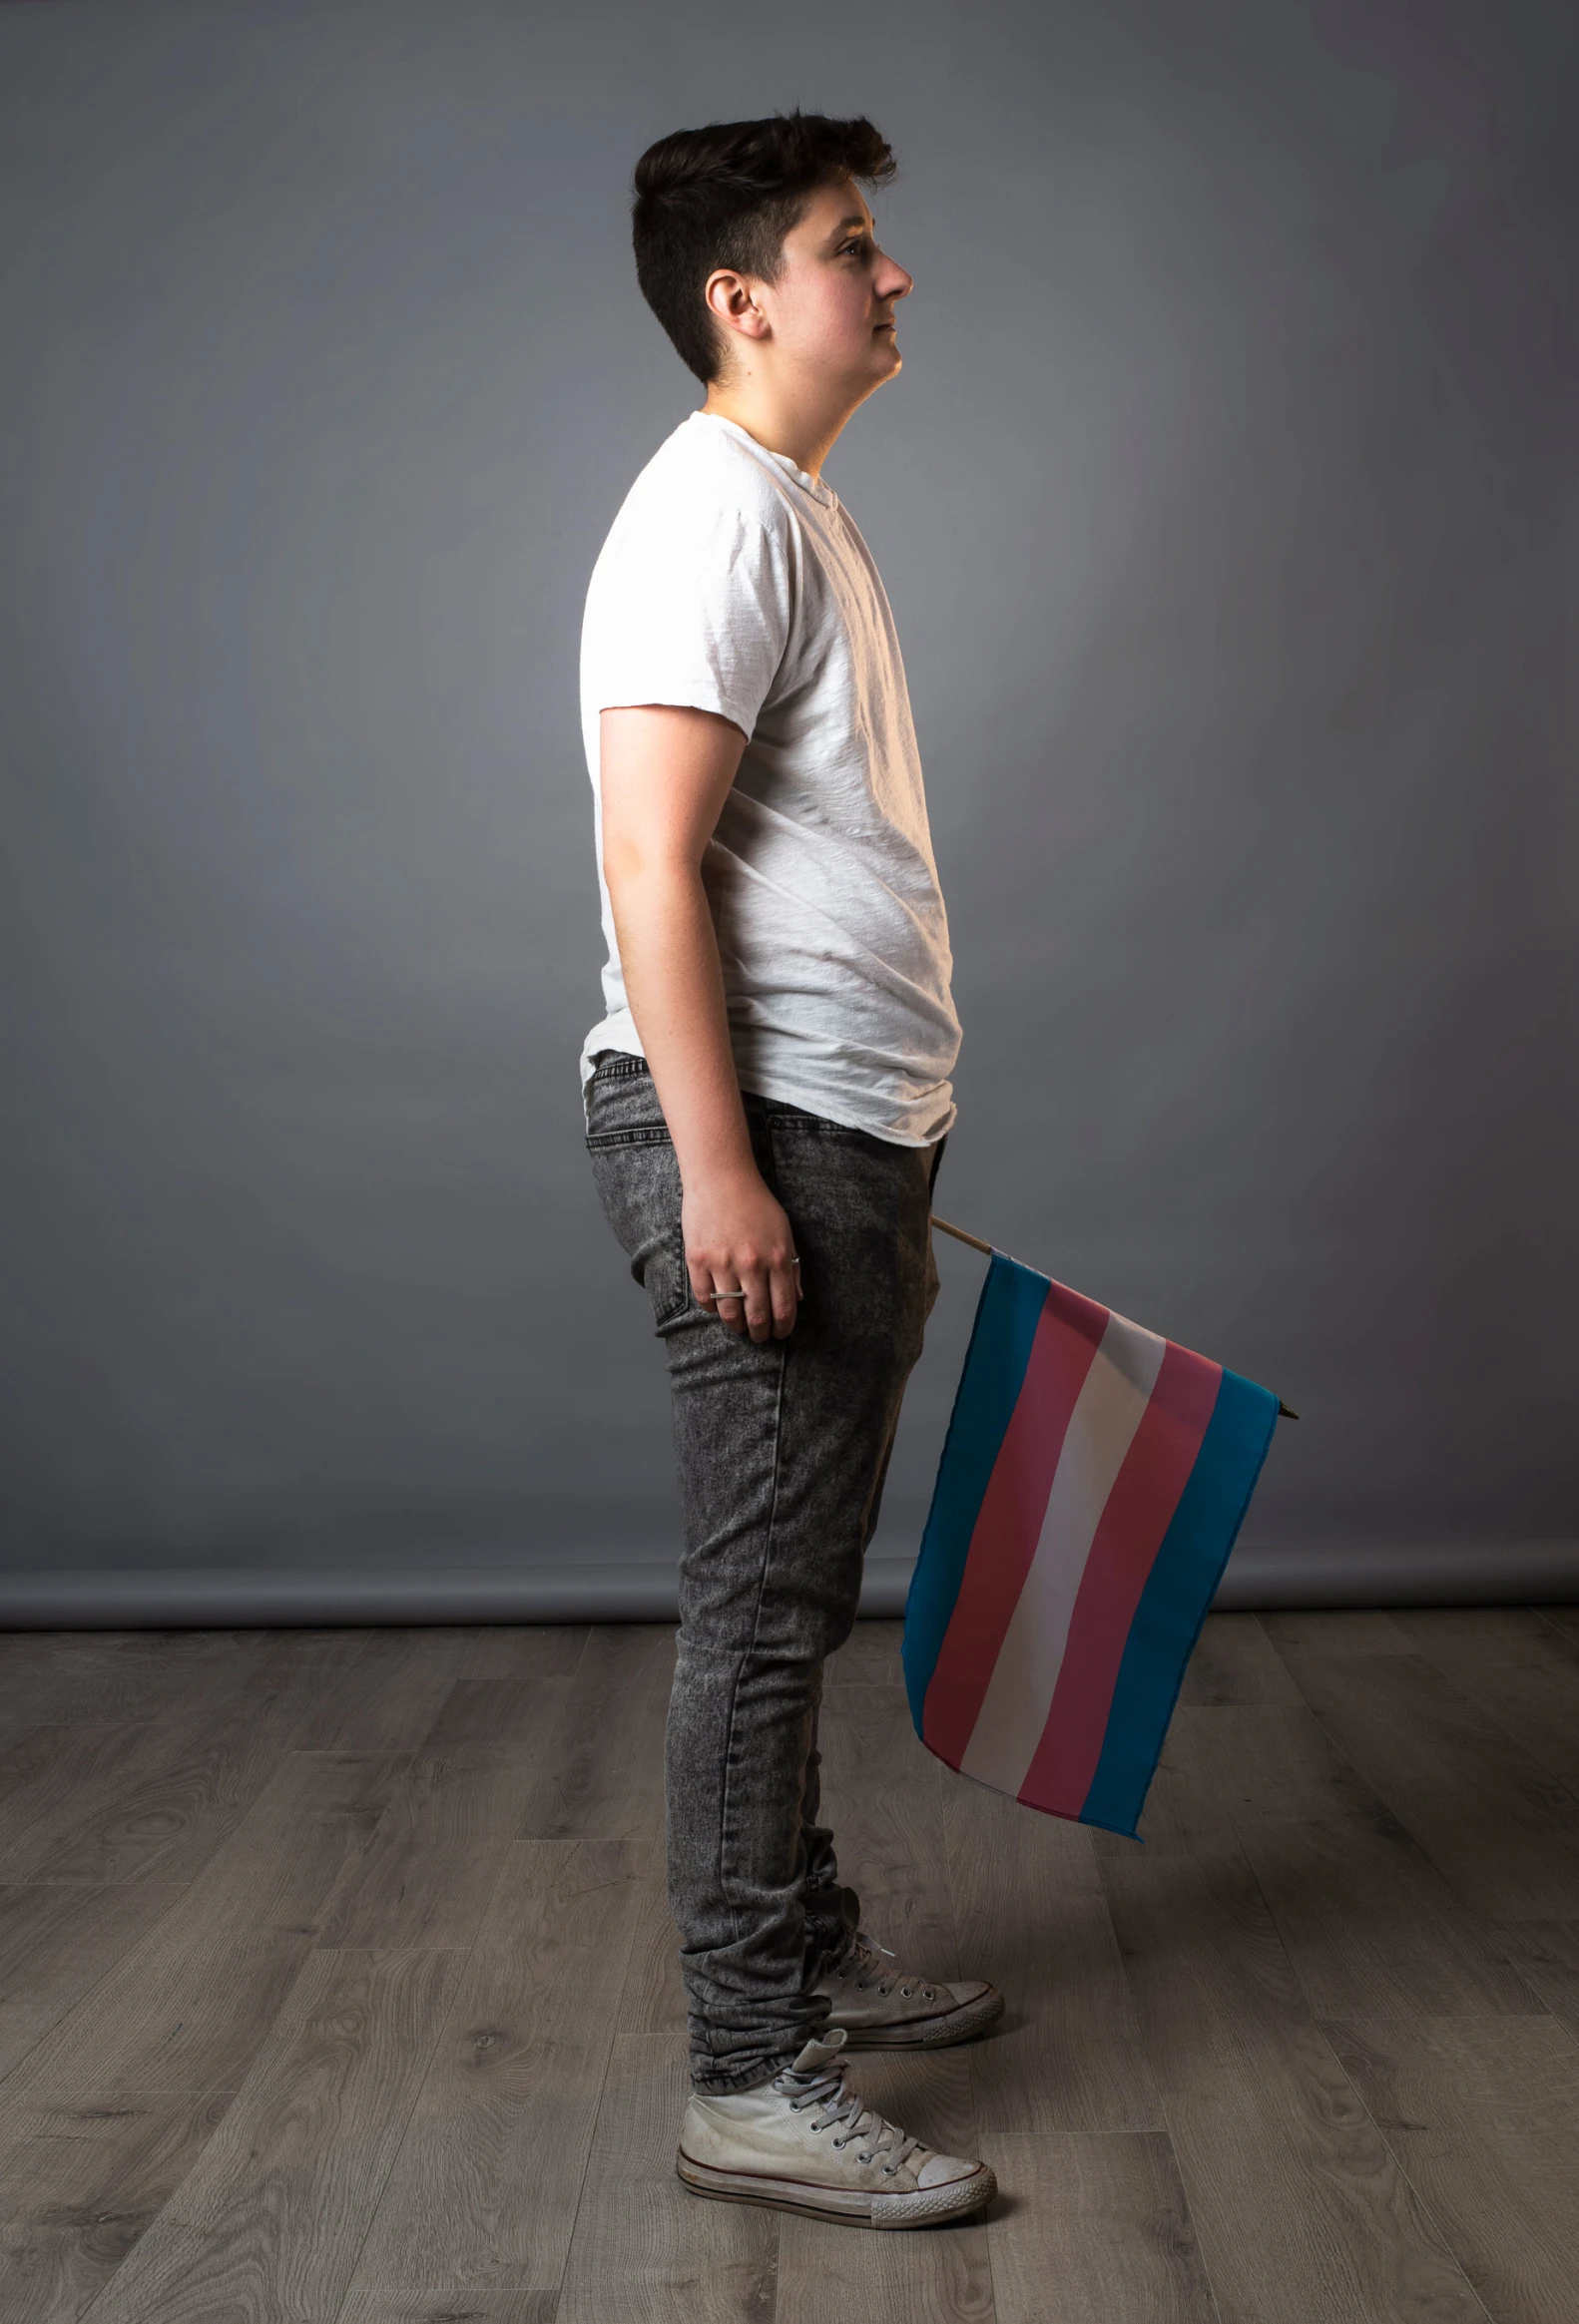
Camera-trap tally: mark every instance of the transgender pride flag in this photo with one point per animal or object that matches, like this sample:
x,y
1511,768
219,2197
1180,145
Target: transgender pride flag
x,y
1092,1481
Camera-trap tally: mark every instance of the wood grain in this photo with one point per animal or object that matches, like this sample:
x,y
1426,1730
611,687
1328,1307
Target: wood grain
x,y
191,1667
1373,1927
1204,1959
1266,2126
1266,1763
653,1998
1517,1668
645,2250
1484,2114
428,1868
1095,2229
1501,1829
77,1679
490,2169
189,2006
267,2222
43,1774
504,1712
1545,1954
1236,1662
506,1650
1033,1918
1454,1635
869,1656
391,1694
882,1796
1367,1632
604,1780
501,2303
55,1946
162,1804
180,1673
81,2184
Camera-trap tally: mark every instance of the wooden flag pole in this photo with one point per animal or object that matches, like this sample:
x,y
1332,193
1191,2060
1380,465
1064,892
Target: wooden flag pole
x,y
960,1235
1285,1411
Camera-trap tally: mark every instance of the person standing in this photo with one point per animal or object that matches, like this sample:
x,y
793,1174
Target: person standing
x,y
767,1098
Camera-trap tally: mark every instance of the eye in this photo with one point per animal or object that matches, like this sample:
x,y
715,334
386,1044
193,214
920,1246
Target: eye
x,y
857,244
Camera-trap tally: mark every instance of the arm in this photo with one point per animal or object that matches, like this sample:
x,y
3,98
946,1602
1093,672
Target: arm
x,y
664,777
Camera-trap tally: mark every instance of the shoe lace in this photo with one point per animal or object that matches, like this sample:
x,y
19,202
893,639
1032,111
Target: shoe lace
x,y
862,1962
828,2089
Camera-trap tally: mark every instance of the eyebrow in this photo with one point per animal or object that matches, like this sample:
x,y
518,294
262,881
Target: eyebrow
x,y
855,219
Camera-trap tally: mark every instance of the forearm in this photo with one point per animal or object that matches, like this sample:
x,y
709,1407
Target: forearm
x,y
669,953
665,775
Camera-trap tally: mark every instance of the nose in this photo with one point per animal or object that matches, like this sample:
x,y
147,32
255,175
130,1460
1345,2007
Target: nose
x,y
893,281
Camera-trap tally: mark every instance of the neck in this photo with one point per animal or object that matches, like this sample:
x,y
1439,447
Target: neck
x,y
804,431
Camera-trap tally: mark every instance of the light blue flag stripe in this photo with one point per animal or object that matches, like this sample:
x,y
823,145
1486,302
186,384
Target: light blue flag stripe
x,y
1176,1598
1007,1314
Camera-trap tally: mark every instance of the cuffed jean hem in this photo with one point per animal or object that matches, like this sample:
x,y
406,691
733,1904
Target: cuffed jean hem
x,y
738,2086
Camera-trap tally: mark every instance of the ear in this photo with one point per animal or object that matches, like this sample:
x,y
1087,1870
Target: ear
x,y
731,303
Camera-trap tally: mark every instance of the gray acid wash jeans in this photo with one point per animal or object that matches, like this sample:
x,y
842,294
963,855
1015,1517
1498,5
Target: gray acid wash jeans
x,y
782,1449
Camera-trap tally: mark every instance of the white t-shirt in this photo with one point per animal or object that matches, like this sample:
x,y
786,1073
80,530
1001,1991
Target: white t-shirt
x,y
733,583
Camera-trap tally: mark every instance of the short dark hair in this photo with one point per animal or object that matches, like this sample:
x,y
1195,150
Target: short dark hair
x,y
727,196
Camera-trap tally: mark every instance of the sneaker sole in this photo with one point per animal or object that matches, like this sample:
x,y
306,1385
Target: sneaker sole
x,y
852,2207
961,2025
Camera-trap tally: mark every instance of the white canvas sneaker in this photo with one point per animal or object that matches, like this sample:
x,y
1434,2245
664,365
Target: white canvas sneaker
x,y
807,2143
882,2007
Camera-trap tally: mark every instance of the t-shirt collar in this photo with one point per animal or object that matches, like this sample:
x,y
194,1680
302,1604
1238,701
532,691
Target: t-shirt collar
x,y
822,493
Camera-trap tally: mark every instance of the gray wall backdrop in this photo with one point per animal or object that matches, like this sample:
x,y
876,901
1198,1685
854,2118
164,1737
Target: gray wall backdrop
x,y
1227,507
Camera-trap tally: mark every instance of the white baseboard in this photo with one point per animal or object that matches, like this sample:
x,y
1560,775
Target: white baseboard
x,y
595,1590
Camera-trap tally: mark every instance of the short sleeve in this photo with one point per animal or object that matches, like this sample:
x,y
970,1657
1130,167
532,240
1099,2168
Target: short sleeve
x,y
689,605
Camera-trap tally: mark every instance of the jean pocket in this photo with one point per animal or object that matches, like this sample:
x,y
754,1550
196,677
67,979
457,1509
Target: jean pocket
x,y
623,1109
666,1278
639,1134
638,1185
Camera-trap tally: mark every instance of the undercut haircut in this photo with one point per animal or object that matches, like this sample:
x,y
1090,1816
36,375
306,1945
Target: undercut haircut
x,y
727,196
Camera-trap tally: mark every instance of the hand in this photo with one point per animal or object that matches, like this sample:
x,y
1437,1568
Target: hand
x,y
740,1250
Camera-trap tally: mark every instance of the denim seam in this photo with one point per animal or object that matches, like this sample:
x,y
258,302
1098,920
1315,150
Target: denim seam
x,y
771,1177
757,1616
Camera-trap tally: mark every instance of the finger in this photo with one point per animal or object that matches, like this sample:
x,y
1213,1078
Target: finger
x,y
785,1296
759,1307
729,1309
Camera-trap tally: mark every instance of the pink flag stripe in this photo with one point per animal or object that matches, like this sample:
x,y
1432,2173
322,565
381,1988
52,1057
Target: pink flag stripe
x,y
1009,1521
1101,1430
1139,1512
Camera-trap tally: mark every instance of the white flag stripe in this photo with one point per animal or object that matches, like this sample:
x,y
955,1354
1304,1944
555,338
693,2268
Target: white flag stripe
x,y
1102,1427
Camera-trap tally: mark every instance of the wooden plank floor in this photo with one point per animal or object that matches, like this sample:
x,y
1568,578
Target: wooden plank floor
x,y
336,1986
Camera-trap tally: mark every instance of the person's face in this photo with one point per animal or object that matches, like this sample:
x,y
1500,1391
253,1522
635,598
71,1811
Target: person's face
x,y
829,315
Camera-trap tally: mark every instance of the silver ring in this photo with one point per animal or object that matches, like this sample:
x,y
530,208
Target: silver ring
x,y
716,1294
